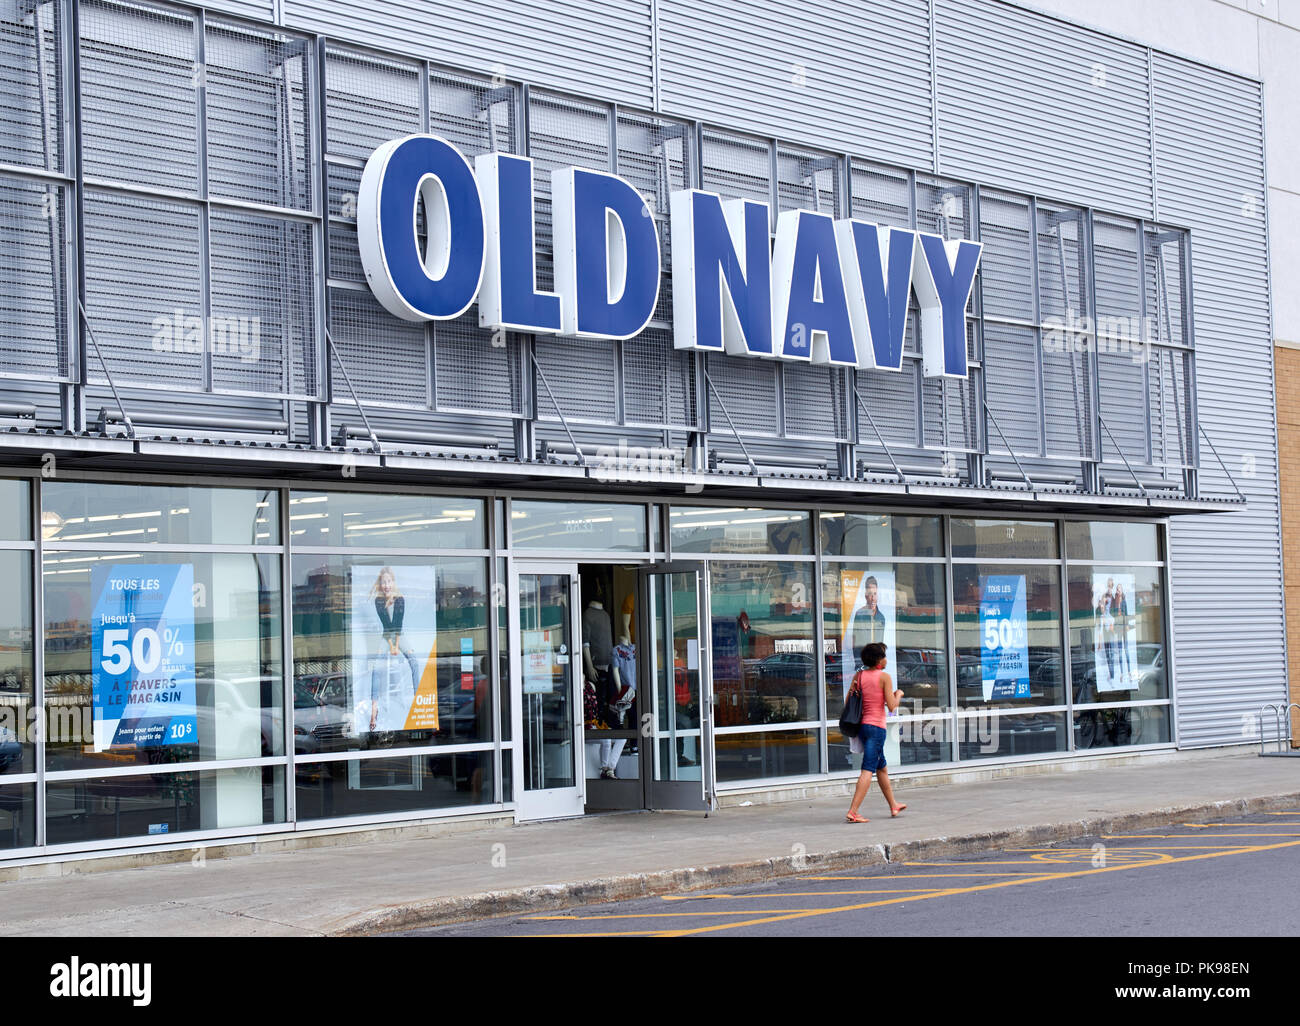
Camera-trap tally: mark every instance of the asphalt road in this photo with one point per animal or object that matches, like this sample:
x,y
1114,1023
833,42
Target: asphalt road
x,y
1230,878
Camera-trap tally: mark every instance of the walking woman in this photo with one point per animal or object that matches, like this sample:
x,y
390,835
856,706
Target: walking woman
x,y
878,693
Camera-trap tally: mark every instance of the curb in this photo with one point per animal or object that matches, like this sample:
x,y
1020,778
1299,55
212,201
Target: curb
x,y
555,897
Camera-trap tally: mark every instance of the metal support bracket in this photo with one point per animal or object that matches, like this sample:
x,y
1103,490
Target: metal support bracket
x,y
998,428
537,369
374,439
1227,473
1141,487
753,467
879,437
90,331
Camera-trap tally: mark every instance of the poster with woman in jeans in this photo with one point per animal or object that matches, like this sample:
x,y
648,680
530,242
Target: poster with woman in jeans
x,y
394,648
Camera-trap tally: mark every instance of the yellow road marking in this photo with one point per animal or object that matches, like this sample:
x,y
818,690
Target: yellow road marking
x,y
1045,878
1201,826
673,915
1143,837
799,894
919,876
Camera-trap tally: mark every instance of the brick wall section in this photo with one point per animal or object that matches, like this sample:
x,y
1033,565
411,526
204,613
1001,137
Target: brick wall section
x,y
1287,376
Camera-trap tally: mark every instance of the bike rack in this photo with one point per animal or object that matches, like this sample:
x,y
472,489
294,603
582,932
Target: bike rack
x,y
1282,729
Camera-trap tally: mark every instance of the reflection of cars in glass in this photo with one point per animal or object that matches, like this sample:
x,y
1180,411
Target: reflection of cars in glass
x,y
322,719
921,673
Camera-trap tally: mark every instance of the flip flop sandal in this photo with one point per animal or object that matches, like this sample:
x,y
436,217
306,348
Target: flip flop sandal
x,y
893,813
853,817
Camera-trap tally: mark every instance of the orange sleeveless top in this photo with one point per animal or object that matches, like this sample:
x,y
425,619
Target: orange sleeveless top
x,y
873,697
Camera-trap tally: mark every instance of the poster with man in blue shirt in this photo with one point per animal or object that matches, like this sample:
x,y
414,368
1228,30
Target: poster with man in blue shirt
x,y
1004,637
142,655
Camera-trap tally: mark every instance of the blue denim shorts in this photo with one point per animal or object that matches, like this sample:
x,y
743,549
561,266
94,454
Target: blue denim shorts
x,y
873,747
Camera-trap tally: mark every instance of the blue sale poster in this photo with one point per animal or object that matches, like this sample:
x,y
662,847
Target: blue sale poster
x,y
1004,637
142,655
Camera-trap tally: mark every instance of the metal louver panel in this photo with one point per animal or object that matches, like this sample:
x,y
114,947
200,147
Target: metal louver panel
x,y
814,401
31,94
1030,102
880,195
260,146
1210,156
1012,387
387,359
33,278
473,116
583,378
951,414
736,167
263,304
477,371
892,400
747,388
592,49
797,70
139,95
658,381
144,290
368,101
1007,263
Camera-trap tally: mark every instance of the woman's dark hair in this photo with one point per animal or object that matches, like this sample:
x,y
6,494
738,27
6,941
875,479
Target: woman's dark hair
x,y
872,654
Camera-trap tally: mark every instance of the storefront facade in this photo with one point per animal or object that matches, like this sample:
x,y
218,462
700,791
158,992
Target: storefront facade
x,y
293,547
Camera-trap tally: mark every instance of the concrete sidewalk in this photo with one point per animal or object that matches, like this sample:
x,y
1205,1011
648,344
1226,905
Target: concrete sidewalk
x,y
379,886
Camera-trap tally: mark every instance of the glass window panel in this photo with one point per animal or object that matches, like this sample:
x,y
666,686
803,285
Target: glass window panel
x,y
218,651
764,660
418,673
17,673
18,816
880,534
588,526
998,735
502,616
736,529
986,625
161,803
412,783
901,605
1003,539
774,753
1119,728
1117,633
920,742
15,510
89,512
1110,540
386,521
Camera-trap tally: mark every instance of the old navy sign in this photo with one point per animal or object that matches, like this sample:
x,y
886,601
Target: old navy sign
x,y
825,291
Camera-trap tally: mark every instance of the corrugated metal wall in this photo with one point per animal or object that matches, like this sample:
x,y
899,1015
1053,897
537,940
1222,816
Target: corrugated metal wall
x,y
600,50
1227,573
849,76
1041,105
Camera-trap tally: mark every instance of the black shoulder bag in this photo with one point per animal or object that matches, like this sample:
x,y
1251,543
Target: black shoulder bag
x,y
851,716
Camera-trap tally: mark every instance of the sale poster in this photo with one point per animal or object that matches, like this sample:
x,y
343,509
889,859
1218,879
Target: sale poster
x,y
1114,631
1004,636
539,662
394,648
142,655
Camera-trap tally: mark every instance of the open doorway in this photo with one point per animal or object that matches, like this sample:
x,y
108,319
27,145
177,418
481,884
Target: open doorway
x,y
611,702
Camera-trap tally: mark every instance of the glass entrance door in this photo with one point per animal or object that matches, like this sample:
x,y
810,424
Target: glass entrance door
x,y
544,680
678,724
